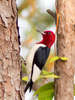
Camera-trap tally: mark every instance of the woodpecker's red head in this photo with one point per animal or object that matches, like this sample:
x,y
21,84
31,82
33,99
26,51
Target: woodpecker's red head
x,y
48,38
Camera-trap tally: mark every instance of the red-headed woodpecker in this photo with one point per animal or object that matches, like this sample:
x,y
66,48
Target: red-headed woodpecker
x,y
38,56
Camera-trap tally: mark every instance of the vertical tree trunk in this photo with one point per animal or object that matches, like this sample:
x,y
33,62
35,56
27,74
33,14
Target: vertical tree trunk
x,y
65,48
9,52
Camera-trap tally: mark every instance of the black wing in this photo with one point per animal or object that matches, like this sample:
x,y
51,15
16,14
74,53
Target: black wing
x,y
41,56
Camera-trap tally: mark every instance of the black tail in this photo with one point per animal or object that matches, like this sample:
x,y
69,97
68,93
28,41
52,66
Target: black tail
x,y
29,85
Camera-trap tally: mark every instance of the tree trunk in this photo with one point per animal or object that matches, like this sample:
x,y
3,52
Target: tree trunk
x,y
9,52
65,48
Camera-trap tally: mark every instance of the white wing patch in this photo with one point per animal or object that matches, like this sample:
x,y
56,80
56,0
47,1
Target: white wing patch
x,y
36,73
29,58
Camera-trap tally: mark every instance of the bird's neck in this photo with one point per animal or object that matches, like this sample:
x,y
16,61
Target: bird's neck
x,y
45,43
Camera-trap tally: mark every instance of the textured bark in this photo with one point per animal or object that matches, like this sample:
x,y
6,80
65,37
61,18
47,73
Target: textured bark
x,y
9,52
65,48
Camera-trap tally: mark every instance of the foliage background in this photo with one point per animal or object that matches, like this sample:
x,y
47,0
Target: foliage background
x,y
32,15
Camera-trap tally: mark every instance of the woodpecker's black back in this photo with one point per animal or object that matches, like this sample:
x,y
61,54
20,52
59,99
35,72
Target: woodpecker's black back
x,y
40,58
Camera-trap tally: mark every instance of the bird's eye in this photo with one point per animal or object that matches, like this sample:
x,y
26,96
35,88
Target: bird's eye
x,y
49,32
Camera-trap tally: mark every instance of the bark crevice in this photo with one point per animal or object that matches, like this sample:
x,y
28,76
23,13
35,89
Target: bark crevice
x,y
9,52
65,48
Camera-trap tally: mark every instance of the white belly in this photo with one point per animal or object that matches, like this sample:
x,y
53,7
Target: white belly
x,y
36,73
29,58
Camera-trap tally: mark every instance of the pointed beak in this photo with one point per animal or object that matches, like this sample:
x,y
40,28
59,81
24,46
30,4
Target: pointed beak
x,y
40,32
43,33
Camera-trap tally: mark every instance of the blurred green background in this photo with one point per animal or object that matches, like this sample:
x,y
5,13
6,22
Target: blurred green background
x,y
32,16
